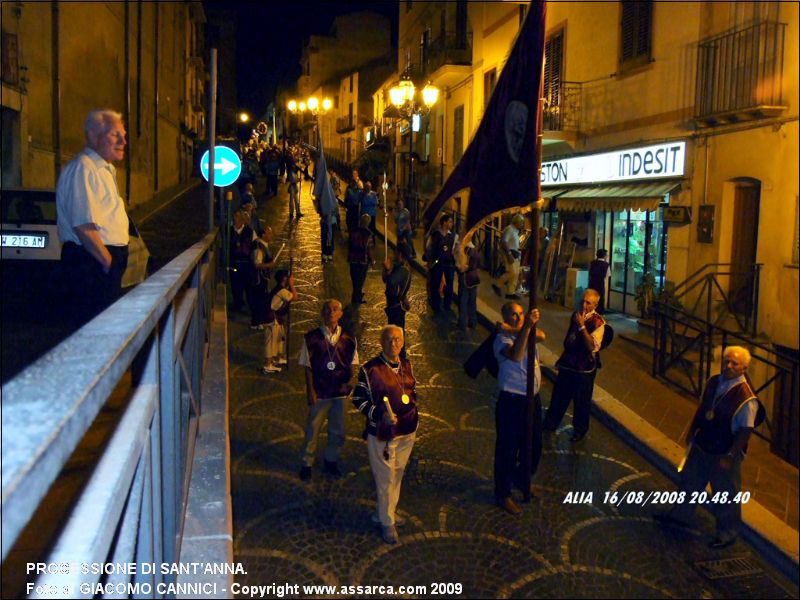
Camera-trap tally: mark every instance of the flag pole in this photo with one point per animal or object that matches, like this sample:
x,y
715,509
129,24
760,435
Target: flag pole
x,y
534,421
385,221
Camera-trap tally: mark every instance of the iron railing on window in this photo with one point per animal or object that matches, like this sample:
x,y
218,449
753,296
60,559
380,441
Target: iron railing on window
x,y
344,124
741,69
448,49
132,508
562,110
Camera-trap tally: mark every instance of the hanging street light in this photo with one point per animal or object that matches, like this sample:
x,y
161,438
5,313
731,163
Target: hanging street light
x,y
403,98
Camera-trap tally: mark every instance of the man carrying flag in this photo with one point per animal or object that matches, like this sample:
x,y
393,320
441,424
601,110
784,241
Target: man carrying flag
x,y
501,167
326,203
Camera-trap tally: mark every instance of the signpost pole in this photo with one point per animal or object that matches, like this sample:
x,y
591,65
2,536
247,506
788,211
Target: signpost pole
x,y
212,136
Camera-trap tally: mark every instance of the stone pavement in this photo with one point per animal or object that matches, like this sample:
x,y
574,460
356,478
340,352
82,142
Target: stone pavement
x,y
319,532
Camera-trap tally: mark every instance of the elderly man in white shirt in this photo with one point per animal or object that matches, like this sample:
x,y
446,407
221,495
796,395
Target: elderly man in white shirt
x,y
511,256
728,413
92,222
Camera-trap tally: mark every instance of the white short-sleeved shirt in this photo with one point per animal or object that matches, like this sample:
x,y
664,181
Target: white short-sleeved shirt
x,y
333,338
87,193
512,376
511,237
281,299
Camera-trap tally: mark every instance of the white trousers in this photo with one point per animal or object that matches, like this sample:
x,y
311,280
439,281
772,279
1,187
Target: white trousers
x,y
274,339
388,474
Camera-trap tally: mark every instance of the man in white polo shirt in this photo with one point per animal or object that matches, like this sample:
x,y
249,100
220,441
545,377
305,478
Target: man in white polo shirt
x,y
92,222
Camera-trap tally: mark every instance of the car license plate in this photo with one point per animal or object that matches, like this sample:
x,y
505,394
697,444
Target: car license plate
x,y
24,240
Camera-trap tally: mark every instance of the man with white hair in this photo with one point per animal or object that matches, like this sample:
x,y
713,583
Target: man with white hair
x,y
92,222
509,244
386,394
717,443
328,355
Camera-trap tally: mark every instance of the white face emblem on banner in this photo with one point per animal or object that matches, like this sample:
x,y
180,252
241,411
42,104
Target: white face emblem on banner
x,y
515,123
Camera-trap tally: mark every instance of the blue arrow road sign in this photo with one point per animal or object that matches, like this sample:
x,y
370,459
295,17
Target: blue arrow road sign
x,y
227,166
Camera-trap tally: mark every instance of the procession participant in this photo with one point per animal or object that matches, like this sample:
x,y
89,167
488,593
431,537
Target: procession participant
x,y
511,353
386,395
577,368
328,355
258,287
359,256
718,436
439,254
397,278
277,304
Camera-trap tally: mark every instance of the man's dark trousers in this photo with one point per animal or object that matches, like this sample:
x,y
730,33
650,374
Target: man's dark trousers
x,y
90,290
358,274
437,271
571,385
510,423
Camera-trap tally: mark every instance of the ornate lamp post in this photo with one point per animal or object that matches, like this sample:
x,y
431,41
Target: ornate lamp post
x,y
404,98
312,105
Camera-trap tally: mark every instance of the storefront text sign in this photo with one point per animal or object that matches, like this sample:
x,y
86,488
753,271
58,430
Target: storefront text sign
x,y
649,162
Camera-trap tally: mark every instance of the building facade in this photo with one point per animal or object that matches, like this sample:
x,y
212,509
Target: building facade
x,y
339,66
670,140
60,60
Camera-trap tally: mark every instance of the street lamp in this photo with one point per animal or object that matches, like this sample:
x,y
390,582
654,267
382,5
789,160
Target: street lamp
x,y
312,105
403,98
244,117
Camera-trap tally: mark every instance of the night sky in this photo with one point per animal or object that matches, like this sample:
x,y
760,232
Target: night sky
x,y
270,39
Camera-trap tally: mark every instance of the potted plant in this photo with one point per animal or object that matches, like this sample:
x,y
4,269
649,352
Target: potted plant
x,y
643,295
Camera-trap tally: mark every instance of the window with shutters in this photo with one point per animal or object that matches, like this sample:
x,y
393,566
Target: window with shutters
x,y
489,81
10,55
636,31
553,61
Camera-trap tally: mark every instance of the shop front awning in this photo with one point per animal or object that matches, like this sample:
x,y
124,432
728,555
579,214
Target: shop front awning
x,y
615,197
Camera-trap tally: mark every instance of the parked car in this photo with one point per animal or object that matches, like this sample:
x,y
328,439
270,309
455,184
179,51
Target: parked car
x,y
31,250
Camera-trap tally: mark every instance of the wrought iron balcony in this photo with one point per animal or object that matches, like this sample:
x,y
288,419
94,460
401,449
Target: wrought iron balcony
x,y
740,75
345,124
562,109
448,49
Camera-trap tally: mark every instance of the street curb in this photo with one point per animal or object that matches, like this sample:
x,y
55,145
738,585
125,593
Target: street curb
x,y
775,540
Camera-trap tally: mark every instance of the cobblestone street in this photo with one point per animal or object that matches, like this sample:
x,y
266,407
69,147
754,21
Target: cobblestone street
x,y
320,533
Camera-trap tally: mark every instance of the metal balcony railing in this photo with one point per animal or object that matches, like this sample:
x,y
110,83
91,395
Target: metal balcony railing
x,y
345,124
448,49
740,74
151,345
562,109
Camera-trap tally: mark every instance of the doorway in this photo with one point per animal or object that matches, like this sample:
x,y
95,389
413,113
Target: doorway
x,y
744,246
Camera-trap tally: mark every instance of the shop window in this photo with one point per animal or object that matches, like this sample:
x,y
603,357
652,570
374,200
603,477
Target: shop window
x,y
638,246
636,28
